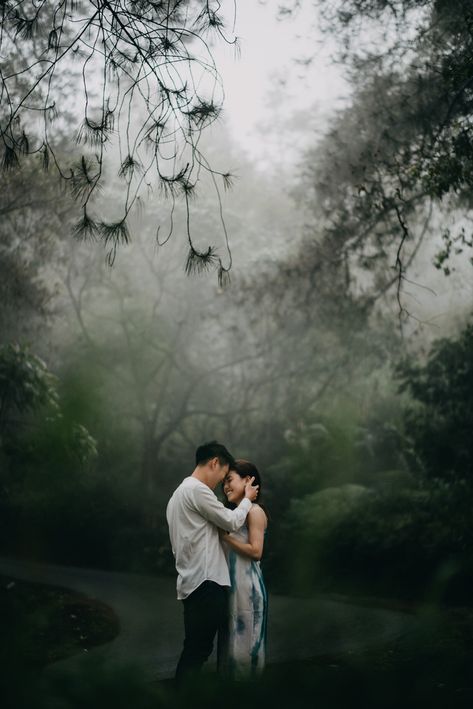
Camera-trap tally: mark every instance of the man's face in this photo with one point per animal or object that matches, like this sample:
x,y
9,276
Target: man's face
x,y
221,470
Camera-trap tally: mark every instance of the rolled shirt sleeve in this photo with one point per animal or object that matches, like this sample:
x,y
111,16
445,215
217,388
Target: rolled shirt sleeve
x,y
214,511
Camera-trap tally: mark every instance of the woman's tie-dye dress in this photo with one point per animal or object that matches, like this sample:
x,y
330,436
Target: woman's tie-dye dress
x,y
248,613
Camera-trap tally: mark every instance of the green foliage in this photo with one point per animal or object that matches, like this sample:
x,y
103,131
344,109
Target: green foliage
x,y
452,244
47,458
317,514
402,541
70,483
25,384
439,422
400,150
344,447
33,425
310,523
35,218
400,520
318,454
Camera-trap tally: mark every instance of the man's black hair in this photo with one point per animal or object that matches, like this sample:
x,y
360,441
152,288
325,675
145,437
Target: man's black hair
x,y
213,449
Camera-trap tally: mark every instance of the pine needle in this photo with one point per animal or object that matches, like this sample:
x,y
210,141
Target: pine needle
x,y
198,261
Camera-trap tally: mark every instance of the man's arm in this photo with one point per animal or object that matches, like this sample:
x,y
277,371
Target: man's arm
x,y
214,511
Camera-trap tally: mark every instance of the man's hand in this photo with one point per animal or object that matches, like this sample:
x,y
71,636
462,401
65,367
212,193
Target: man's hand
x,y
222,534
251,492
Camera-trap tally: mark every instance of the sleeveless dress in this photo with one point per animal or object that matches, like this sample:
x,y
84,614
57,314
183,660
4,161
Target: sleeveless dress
x,y
248,606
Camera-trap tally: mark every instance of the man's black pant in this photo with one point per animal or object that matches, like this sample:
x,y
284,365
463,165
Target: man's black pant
x,y
205,615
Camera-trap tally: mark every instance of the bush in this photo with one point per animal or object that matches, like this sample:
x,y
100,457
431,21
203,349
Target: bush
x,y
309,527
440,420
411,542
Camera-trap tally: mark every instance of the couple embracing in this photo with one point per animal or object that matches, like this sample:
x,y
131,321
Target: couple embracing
x,y
217,549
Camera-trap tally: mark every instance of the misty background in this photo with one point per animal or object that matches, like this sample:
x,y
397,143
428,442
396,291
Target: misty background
x,y
338,358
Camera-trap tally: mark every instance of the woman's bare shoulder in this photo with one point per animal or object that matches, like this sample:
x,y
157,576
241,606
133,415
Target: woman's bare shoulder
x,y
257,514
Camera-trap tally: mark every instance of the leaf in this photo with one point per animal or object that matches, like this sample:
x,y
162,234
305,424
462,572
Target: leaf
x,y
203,112
85,228
95,133
129,166
228,180
115,233
198,261
24,144
10,158
84,175
24,27
45,157
53,40
223,277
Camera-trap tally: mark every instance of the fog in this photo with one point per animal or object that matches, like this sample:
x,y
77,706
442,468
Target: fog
x,y
288,273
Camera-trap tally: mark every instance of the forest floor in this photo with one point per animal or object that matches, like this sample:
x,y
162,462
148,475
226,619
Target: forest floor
x,y
44,624
367,656
430,666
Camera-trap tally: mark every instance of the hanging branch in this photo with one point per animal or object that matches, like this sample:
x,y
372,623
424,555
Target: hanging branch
x,y
139,74
399,264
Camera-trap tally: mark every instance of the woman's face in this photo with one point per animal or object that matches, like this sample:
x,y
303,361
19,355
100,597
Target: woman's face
x,y
234,486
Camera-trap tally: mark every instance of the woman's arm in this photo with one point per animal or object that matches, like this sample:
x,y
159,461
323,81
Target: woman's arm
x,y
253,549
207,504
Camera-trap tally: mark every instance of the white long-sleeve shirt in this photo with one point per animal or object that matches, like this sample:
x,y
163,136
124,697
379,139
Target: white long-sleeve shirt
x,y
194,515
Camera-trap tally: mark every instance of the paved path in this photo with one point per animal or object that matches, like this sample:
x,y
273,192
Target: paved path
x,y
151,619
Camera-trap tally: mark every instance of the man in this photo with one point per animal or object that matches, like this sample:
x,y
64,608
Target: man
x,y
194,515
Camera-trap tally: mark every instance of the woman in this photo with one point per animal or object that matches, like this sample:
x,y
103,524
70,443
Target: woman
x,y
248,598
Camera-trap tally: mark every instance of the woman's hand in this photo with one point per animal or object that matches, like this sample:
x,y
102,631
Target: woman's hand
x,y
251,491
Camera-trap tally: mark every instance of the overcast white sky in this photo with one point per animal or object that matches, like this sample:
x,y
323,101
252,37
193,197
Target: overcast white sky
x,y
269,83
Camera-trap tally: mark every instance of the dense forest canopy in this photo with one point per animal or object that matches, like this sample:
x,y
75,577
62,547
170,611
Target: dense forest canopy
x,y
394,168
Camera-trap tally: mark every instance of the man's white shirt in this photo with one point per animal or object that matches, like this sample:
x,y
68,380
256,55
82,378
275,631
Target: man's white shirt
x,y
194,515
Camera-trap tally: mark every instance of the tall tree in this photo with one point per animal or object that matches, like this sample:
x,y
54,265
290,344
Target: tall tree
x,y
395,167
35,218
